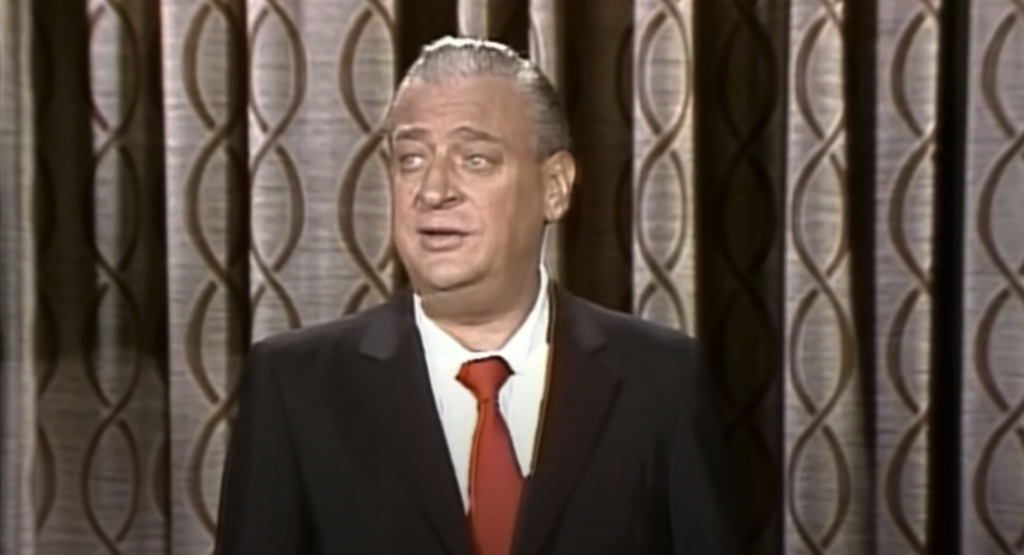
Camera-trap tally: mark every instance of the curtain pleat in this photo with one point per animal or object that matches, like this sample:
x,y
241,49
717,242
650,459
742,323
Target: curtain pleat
x,y
825,437
597,232
993,286
740,99
18,289
205,106
899,145
664,200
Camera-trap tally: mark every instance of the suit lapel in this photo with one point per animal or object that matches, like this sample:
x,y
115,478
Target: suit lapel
x,y
394,380
580,395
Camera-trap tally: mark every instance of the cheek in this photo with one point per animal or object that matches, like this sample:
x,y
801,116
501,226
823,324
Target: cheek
x,y
521,202
402,229
513,214
402,205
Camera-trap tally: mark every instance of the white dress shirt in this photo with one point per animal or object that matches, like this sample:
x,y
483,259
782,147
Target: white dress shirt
x,y
519,399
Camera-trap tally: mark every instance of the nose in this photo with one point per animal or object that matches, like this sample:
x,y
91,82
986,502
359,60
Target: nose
x,y
437,191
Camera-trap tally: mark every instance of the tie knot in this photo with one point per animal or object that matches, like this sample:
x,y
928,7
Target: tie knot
x,y
484,377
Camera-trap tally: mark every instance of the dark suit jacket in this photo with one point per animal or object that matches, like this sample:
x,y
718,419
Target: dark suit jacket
x,y
338,450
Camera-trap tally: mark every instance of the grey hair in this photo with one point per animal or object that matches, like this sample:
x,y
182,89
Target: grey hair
x,y
460,57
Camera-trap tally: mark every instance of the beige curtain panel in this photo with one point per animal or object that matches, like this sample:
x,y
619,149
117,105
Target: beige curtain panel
x,y
828,193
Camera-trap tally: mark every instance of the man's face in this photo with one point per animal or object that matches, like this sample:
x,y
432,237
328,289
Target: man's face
x,y
470,195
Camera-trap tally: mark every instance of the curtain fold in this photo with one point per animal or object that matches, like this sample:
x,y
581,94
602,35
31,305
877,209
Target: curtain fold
x,y
895,150
662,164
824,405
179,178
18,291
740,100
993,286
203,48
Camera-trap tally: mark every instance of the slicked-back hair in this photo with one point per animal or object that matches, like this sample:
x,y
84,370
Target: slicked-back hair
x,y
451,58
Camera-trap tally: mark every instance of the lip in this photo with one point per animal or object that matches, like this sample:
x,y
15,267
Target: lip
x,y
440,230
441,239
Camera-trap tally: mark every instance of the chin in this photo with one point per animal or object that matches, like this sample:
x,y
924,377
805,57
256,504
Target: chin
x,y
445,277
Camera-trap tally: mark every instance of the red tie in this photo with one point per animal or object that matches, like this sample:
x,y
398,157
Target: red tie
x,y
495,482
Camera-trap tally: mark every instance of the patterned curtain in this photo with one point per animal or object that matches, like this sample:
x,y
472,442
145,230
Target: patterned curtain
x,y
828,194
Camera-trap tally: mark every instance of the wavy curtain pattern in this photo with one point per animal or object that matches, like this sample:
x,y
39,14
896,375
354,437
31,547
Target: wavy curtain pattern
x,y
829,194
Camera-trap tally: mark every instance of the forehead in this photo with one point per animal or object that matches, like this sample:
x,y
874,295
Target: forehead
x,y
491,104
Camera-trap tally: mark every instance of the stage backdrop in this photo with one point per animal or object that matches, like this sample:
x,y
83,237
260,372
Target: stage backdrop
x,y
829,194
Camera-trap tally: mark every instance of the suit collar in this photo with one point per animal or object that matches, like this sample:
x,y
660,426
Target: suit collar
x,y
393,380
581,393
576,321
391,329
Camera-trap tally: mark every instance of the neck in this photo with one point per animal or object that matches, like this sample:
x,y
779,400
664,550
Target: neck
x,y
483,320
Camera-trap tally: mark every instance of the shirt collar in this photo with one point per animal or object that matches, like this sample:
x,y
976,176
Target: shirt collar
x,y
531,335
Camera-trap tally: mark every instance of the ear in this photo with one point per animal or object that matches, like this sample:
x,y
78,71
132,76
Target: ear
x,y
559,172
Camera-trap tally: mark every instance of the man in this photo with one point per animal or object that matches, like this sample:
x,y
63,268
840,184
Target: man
x,y
487,411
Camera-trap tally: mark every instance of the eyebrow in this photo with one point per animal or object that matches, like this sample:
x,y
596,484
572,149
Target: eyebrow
x,y
410,134
464,132
472,134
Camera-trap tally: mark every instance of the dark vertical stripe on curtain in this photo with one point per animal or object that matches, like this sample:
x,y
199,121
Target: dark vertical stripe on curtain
x,y
66,272
946,504
418,23
151,135
862,137
509,21
740,118
238,176
597,255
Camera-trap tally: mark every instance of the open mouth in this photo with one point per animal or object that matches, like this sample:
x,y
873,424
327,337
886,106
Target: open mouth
x,y
441,232
441,239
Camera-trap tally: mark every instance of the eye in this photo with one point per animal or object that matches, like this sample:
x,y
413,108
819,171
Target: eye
x,y
477,161
410,162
